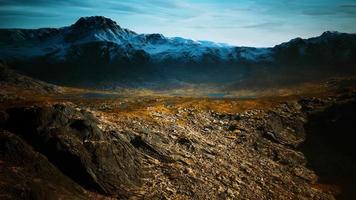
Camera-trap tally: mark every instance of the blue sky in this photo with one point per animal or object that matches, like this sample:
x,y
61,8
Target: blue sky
x,y
239,22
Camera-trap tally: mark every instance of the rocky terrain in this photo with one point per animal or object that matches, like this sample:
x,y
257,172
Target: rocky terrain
x,y
65,146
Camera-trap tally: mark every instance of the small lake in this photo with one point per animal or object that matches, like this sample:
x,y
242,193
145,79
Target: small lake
x,y
95,95
216,95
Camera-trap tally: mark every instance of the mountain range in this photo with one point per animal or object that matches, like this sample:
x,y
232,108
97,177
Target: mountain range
x,y
97,51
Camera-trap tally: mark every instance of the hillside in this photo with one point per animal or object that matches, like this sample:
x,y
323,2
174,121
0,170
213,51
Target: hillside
x,y
62,146
71,143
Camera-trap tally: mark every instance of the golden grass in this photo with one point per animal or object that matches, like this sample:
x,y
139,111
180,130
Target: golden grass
x,y
142,102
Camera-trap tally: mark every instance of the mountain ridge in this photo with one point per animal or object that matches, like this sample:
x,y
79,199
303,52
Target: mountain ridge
x,y
97,49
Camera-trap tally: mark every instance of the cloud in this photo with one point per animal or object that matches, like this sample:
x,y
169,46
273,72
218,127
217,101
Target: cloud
x,y
7,13
208,19
331,10
44,3
122,7
263,25
319,12
24,2
163,9
266,25
348,6
165,4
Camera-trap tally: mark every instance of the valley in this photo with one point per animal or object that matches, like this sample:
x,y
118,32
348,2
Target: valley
x,y
140,144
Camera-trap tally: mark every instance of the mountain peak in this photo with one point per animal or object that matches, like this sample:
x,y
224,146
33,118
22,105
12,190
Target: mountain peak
x,y
330,33
95,22
155,37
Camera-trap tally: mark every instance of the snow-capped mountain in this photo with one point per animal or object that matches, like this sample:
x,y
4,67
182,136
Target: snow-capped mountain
x,y
22,43
98,49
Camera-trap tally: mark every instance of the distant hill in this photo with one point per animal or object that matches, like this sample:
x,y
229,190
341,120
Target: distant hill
x,y
97,51
9,77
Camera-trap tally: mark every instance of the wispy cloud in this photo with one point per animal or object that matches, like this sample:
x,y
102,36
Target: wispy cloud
x,y
27,13
348,5
239,22
263,25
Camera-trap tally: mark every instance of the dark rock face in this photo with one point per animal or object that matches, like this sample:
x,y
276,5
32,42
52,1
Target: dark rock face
x,y
94,22
72,141
284,129
155,38
97,24
26,174
329,49
330,146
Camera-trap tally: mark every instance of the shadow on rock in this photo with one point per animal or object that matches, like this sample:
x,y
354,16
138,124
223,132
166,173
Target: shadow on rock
x,y
330,147
72,141
26,174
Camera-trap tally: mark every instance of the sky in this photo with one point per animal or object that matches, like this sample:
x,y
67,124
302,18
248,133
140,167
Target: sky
x,y
259,23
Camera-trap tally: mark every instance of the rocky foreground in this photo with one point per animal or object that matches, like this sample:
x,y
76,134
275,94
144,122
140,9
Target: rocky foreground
x,y
178,148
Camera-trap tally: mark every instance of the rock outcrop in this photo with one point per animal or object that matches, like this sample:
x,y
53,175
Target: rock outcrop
x,y
27,174
72,141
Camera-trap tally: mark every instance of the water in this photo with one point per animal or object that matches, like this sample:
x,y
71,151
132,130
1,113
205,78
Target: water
x,y
216,95
94,95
